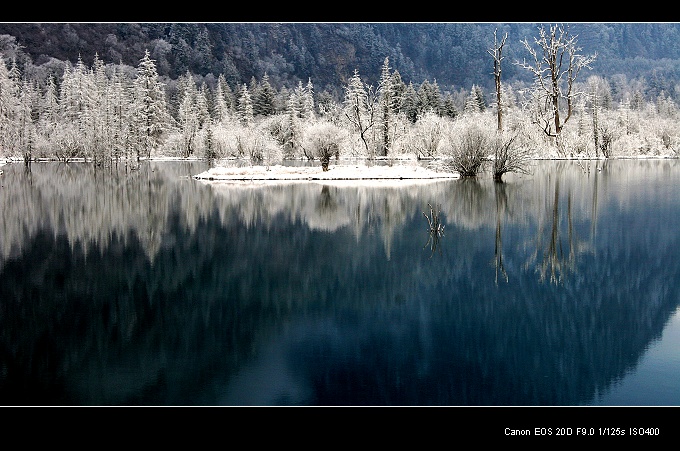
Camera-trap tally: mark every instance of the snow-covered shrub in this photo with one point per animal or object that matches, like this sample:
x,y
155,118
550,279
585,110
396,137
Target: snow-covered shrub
x,y
469,145
425,137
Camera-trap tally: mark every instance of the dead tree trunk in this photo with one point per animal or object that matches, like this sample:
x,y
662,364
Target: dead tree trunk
x,y
497,54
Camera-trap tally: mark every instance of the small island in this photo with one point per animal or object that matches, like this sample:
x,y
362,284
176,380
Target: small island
x,y
340,172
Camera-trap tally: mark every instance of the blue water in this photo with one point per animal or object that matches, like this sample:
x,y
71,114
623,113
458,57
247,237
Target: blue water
x,y
145,287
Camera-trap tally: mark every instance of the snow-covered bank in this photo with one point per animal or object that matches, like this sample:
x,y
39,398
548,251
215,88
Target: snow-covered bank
x,y
336,173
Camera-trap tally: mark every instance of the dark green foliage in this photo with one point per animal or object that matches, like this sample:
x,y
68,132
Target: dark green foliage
x,y
450,53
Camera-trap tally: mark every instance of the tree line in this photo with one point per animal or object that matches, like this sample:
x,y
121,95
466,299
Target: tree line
x,y
104,113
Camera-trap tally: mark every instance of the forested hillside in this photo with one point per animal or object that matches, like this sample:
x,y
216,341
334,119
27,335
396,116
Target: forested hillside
x,y
453,54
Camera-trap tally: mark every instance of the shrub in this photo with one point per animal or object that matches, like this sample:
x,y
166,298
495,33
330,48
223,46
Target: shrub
x,y
468,149
508,156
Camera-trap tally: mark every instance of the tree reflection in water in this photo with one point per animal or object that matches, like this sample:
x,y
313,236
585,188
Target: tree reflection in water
x,y
147,287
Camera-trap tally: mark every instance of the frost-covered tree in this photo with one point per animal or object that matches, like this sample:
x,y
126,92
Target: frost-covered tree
x,y
386,102
474,103
221,109
360,106
263,98
497,54
24,120
150,107
188,119
323,141
203,105
121,95
292,133
244,107
429,96
49,108
410,103
8,102
556,64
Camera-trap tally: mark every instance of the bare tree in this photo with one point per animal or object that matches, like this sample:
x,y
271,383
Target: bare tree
x,y
360,108
497,54
556,65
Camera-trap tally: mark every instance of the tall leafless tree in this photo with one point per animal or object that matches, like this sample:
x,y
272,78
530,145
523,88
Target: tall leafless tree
x,y
497,53
556,65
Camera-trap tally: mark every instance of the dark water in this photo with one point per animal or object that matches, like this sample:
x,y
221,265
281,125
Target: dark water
x,y
146,287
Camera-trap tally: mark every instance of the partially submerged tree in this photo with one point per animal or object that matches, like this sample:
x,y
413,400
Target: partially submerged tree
x,y
556,65
469,145
509,156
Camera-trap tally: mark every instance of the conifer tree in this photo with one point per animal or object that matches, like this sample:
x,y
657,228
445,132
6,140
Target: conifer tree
x,y
410,103
151,108
308,100
220,108
244,108
386,99
263,98
49,108
292,136
24,120
203,105
8,101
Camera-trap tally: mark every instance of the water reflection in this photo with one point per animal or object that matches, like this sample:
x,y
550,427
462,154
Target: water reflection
x,y
147,287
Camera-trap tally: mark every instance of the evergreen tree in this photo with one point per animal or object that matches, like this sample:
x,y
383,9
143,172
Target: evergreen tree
x,y
221,111
8,100
49,108
121,105
263,98
308,100
24,120
479,97
151,110
244,107
292,136
410,103
449,107
386,100
203,105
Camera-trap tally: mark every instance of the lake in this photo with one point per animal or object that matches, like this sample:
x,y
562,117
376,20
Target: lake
x,y
145,287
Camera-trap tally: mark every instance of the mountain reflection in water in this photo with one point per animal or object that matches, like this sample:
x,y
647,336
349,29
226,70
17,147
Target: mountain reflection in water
x,y
145,287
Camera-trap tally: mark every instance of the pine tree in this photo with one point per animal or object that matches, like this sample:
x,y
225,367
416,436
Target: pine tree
x,y
203,106
151,108
292,135
410,103
24,120
386,99
220,108
263,98
8,100
308,100
49,109
244,108
449,107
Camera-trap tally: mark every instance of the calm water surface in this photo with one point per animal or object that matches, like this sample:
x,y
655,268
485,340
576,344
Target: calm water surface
x,y
145,287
